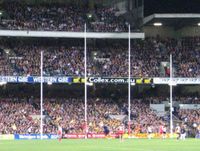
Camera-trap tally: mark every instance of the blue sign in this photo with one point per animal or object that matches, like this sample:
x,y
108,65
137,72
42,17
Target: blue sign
x,y
34,136
34,79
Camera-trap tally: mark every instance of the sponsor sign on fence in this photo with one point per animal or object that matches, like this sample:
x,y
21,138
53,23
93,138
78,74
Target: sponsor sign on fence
x,y
34,136
140,135
78,136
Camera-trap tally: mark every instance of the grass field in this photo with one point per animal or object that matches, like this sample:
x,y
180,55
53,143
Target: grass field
x,y
101,145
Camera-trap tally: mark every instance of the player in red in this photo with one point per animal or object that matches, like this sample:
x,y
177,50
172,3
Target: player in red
x,y
121,132
59,133
161,131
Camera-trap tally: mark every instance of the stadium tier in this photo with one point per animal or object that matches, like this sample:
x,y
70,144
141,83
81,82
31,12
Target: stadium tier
x,y
20,116
53,18
149,58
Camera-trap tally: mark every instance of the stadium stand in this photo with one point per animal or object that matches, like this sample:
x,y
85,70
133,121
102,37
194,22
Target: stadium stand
x,y
111,61
53,18
22,116
190,116
149,58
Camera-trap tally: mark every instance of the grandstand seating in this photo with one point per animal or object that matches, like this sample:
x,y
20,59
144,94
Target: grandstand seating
x,y
53,18
20,116
149,58
23,116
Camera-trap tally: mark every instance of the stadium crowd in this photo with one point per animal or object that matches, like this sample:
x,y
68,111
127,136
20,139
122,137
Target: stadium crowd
x,y
15,117
188,100
149,58
5,69
108,21
143,116
191,116
23,116
20,16
57,61
186,54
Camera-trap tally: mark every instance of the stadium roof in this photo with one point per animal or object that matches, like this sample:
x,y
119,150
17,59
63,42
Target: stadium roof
x,y
176,20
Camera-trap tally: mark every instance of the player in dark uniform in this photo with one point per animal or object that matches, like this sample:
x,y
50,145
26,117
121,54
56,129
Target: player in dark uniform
x,y
106,130
183,132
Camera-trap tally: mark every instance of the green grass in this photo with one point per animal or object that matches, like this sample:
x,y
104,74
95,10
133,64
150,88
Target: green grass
x,y
101,145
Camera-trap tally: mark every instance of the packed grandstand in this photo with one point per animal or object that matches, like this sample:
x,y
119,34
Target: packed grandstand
x,y
53,18
150,58
21,116
108,59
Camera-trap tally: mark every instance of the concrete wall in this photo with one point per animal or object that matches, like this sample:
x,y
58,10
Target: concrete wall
x,y
189,31
167,31
164,31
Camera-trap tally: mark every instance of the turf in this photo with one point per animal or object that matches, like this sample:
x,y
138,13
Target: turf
x,y
101,145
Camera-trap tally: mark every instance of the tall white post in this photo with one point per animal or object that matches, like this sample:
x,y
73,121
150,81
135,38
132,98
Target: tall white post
x,y
85,77
41,95
129,79
171,99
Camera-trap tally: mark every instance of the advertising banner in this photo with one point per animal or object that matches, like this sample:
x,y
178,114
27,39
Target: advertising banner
x,y
34,136
139,135
106,80
176,81
78,136
145,135
35,79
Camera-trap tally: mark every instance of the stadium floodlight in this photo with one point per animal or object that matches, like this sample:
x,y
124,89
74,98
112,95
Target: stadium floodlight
x,y
157,24
89,84
49,83
173,83
132,83
3,83
7,50
1,13
198,24
89,15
